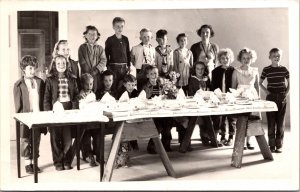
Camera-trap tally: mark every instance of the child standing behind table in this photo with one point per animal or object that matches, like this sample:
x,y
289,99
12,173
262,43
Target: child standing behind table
x,y
117,52
142,55
62,48
86,93
277,90
183,61
28,97
163,125
91,56
61,87
221,78
164,53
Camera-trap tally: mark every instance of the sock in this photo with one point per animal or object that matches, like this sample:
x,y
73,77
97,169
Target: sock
x,y
27,161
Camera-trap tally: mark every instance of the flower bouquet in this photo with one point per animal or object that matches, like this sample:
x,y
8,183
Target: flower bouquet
x,y
169,89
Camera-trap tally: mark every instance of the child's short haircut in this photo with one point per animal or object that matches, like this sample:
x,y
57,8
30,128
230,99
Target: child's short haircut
x,y
85,77
28,60
275,50
149,68
129,78
144,30
227,52
252,54
91,28
108,73
180,36
161,33
117,20
212,33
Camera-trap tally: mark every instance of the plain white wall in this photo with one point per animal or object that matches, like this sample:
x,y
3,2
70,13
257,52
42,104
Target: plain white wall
x,y
257,28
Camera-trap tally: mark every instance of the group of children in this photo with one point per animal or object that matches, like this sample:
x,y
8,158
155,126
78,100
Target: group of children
x,y
115,70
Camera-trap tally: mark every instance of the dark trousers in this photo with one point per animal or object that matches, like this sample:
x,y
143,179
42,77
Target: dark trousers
x,y
120,70
26,146
231,125
276,120
209,123
61,141
89,147
163,126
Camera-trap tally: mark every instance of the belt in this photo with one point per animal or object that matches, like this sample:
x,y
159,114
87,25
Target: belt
x,y
117,63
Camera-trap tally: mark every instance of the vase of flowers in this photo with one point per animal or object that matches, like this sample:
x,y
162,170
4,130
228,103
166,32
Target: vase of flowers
x,y
169,89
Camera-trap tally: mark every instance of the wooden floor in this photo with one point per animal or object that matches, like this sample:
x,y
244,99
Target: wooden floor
x,y
202,169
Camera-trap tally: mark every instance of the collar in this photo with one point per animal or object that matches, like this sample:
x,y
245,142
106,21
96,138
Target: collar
x,y
204,78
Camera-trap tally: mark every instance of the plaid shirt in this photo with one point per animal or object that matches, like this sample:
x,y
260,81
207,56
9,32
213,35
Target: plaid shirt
x,y
63,90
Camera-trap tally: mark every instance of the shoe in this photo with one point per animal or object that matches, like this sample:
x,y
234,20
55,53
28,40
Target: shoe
x,y
272,149
205,141
134,145
220,144
229,142
29,169
245,148
92,161
151,147
68,166
38,169
249,146
59,168
278,150
190,147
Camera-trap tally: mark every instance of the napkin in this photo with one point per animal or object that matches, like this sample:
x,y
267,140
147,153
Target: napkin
x,y
198,98
107,98
142,95
218,93
58,107
234,92
91,97
124,97
213,98
230,97
180,94
250,94
204,94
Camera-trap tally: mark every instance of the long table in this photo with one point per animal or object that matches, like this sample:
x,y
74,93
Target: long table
x,y
242,112
49,119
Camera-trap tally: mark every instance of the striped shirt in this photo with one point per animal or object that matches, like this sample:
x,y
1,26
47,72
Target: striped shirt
x,y
276,78
155,91
63,90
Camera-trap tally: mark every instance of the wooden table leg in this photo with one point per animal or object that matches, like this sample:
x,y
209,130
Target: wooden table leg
x,y
113,152
18,148
188,134
264,148
238,149
101,150
164,157
78,147
73,147
35,160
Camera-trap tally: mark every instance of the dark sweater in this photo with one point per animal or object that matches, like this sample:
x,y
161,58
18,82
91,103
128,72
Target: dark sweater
x,y
217,77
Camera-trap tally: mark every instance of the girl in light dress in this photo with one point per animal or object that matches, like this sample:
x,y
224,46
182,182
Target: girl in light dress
x,y
246,78
183,61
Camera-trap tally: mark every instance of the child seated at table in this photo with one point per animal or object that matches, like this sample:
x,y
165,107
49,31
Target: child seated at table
x,y
163,125
129,86
199,81
28,97
61,88
107,81
87,82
